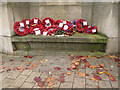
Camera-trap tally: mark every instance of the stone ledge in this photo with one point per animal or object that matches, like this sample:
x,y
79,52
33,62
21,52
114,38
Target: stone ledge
x,y
80,38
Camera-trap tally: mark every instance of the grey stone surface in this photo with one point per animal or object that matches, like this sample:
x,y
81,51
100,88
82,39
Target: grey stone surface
x,y
7,45
112,45
15,79
105,17
20,13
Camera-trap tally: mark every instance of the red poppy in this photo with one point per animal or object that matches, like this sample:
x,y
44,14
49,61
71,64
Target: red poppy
x,y
81,25
35,25
91,29
47,22
51,30
20,28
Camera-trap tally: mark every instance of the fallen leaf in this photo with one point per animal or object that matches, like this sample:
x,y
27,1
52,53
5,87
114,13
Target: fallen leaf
x,y
76,63
20,68
34,65
87,64
118,65
41,84
73,66
107,73
11,60
41,61
62,79
54,72
71,56
57,68
37,79
30,56
89,56
112,79
39,50
68,73
22,60
46,60
11,63
81,74
73,61
97,77
25,56
51,83
92,66
94,79
77,72
2,67
69,69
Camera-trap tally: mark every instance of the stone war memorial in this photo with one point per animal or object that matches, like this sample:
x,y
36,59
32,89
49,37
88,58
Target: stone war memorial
x,y
59,44
102,16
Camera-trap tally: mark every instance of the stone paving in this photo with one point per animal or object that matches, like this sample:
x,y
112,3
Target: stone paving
x,y
13,78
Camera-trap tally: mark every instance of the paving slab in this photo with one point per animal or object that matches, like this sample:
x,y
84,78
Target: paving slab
x,y
26,72
104,84
27,85
19,81
6,83
14,74
66,85
79,83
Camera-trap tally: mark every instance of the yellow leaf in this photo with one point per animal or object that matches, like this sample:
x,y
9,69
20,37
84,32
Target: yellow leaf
x,y
46,60
68,73
41,61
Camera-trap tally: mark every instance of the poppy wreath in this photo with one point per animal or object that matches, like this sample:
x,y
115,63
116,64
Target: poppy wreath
x,y
81,25
18,30
57,22
68,27
47,22
51,30
91,30
35,23
27,23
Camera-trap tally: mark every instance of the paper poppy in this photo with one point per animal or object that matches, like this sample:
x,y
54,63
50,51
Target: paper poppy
x,y
91,30
66,26
20,28
27,23
36,26
50,30
81,25
47,22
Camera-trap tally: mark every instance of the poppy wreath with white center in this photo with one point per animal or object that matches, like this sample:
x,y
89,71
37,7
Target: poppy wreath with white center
x,y
91,30
80,27
35,25
69,29
17,29
51,22
51,30
28,25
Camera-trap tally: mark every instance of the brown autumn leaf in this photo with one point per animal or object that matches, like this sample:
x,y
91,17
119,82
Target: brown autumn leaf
x,y
51,83
53,72
68,73
81,74
40,50
34,65
112,79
